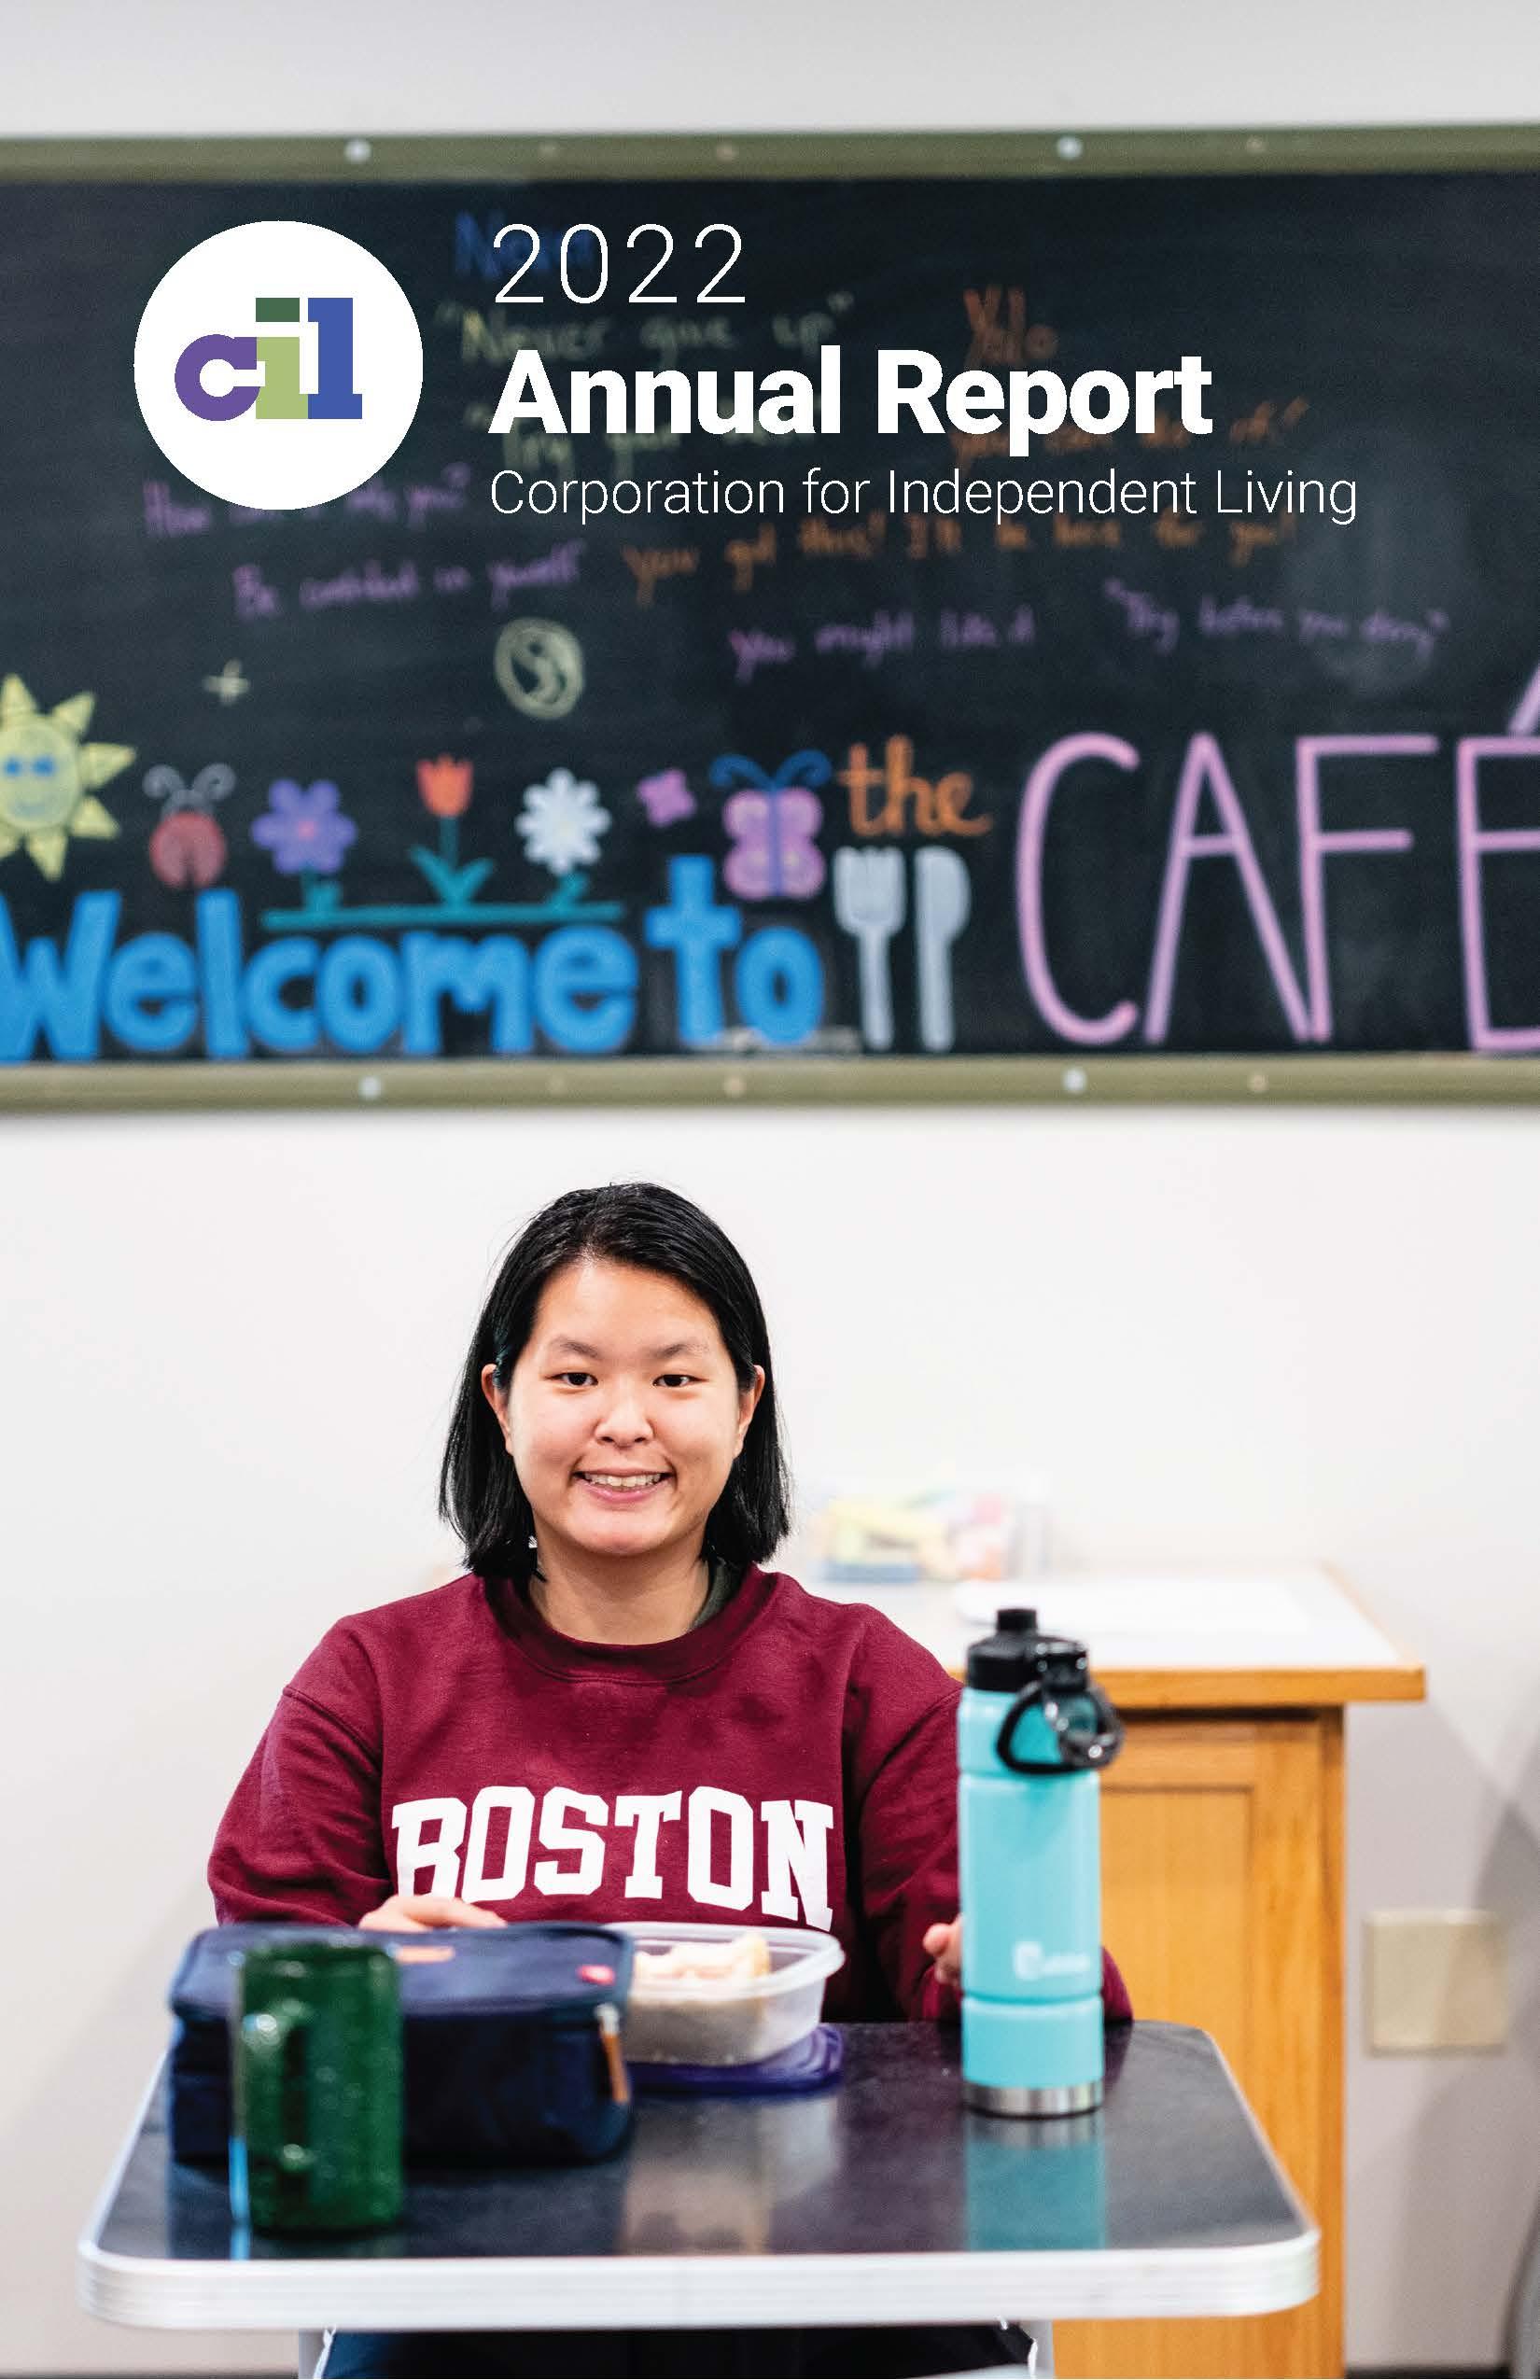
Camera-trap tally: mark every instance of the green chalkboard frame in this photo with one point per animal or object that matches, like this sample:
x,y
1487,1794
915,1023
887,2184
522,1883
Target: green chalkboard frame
x,y
769,155
818,1082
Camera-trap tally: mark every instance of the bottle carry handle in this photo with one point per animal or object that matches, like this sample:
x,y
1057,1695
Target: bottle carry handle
x,y
1080,1751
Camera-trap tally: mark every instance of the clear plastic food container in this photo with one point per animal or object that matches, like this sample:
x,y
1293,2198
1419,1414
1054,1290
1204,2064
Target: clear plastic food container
x,y
704,2021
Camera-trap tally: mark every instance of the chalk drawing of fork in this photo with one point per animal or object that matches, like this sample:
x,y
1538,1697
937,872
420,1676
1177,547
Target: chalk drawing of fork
x,y
869,905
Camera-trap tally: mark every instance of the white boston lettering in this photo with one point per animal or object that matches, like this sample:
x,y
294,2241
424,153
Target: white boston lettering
x,y
647,1812
796,1848
707,1804
412,1855
519,1802
556,1835
721,1856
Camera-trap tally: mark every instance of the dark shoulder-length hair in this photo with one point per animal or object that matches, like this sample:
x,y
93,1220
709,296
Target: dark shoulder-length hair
x,y
655,1229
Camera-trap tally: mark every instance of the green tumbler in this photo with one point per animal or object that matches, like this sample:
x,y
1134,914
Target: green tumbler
x,y
315,2057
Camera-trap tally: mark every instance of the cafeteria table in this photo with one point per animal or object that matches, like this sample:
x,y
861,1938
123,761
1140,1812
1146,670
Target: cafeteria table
x,y
878,2200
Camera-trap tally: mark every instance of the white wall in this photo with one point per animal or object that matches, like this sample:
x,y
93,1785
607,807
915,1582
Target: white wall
x,y
226,1344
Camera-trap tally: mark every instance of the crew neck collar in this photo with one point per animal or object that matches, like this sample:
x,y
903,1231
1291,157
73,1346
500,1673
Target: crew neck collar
x,y
700,1648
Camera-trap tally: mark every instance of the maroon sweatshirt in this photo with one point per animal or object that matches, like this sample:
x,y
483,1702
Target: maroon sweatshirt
x,y
791,1762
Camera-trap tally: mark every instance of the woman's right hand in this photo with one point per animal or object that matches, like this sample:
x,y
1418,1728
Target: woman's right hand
x,y
424,1913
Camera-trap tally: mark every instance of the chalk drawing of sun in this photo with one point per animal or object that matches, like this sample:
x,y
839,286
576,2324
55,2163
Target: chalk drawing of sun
x,y
49,779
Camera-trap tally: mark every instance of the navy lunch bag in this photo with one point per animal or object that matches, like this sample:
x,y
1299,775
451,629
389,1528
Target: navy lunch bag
x,y
511,2043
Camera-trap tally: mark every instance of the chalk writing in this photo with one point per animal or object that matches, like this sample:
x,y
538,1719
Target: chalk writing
x,y
1268,423
254,598
938,803
753,650
1076,535
873,640
823,540
745,555
165,517
372,584
557,567
1000,333
1143,617
1252,536
976,632
1239,617
926,533
650,565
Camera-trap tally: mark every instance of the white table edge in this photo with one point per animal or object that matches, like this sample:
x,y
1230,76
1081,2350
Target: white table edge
x,y
696,2292
562,2292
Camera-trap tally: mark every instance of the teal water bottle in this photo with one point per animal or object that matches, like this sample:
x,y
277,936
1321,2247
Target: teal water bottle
x,y
1033,1734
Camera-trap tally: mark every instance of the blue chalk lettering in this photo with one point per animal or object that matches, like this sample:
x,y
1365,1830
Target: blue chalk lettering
x,y
151,1001
475,254
291,1032
590,963
778,979
62,1000
695,931
217,928
358,994
492,974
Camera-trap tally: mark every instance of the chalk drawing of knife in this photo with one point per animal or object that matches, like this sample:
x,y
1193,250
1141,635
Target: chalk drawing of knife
x,y
943,903
869,904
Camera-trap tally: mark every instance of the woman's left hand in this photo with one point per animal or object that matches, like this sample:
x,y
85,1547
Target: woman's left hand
x,y
943,1944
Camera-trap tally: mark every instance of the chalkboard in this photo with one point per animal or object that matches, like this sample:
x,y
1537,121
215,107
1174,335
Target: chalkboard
x,y
413,783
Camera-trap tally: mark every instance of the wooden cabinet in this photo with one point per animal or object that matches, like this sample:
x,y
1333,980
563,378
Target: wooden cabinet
x,y
1222,1904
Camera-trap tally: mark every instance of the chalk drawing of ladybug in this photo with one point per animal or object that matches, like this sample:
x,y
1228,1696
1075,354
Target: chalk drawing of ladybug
x,y
188,847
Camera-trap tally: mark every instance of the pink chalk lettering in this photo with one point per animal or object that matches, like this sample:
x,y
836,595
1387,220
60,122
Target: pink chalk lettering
x,y
1526,714
1204,764
1316,844
1036,802
1473,841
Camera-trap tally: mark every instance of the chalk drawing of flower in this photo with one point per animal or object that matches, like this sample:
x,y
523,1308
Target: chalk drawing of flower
x,y
303,828
666,796
562,822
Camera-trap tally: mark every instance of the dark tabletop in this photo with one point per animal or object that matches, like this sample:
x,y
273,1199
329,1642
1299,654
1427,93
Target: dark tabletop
x,y
886,2161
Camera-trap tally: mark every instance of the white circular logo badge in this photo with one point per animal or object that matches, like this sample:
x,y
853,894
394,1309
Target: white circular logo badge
x,y
278,365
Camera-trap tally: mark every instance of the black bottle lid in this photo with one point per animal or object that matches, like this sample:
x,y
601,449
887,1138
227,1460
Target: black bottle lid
x,y
1018,1652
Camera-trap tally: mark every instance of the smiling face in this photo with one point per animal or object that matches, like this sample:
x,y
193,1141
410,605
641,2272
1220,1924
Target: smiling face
x,y
39,780
624,1414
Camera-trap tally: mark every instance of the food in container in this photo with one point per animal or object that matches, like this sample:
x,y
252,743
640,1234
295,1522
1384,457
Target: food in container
x,y
723,1996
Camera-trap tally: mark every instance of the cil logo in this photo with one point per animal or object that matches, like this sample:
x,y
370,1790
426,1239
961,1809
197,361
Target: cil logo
x,y
309,401
266,375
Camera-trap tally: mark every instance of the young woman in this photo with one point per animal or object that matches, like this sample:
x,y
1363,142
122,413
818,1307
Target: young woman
x,y
618,1712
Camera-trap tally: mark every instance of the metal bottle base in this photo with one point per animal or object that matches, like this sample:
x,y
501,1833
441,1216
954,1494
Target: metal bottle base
x,y
1000,2099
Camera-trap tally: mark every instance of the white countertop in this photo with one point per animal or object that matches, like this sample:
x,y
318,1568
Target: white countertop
x,y
1293,1620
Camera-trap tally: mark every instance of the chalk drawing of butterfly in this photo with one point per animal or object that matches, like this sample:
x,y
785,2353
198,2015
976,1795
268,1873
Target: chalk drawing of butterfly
x,y
772,827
